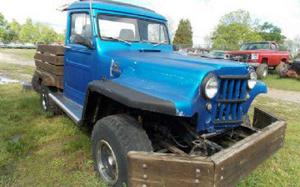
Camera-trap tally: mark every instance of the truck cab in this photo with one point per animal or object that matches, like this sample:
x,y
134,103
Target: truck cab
x,y
119,76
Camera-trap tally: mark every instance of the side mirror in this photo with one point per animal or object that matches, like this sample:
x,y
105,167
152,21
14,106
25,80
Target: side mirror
x,y
78,39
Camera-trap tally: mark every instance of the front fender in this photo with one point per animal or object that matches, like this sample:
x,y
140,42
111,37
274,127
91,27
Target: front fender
x,y
260,88
128,97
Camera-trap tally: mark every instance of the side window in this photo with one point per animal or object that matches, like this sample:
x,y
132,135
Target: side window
x,y
80,27
156,33
273,46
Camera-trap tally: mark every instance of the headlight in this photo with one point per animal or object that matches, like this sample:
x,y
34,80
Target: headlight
x,y
227,56
210,86
253,80
254,56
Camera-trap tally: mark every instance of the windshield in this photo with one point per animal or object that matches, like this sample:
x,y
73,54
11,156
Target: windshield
x,y
217,53
255,46
132,30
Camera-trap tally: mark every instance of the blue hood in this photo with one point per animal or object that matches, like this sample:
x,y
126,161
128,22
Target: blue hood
x,y
170,76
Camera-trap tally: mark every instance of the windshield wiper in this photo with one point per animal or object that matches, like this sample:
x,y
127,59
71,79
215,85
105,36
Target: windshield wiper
x,y
118,39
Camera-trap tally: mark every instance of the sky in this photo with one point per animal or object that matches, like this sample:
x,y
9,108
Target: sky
x,y
203,14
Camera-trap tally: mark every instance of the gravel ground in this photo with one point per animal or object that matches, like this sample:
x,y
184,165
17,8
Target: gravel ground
x,y
290,96
13,60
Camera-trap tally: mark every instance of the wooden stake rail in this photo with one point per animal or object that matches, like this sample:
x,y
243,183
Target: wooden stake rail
x,y
49,61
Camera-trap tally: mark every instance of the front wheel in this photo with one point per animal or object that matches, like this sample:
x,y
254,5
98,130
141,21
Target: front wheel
x,y
112,138
262,71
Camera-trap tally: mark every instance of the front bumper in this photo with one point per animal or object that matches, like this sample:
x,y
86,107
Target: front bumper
x,y
225,168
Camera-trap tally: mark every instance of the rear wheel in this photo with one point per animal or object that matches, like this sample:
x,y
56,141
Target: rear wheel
x,y
112,138
282,67
47,103
36,83
262,71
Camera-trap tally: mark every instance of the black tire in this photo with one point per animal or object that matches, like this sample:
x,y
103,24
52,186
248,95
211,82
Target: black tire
x,y
47,103
282,67
120,134
36,83
262,71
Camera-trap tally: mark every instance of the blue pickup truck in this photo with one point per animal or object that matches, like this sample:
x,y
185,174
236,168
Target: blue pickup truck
x,y
158,118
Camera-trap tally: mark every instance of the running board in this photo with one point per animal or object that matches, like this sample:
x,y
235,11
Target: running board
x,y
72,109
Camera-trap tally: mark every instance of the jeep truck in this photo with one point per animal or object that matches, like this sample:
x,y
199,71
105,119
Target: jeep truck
x,y
158,118
261,55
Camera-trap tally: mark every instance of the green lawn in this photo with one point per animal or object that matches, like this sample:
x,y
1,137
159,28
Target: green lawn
x,y
39,150
19,72
284,167
274,81
22,54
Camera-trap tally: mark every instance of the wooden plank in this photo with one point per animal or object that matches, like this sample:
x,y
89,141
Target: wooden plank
x,y
158,170
225,168
55,60
52,69
50,79
236,162
52,49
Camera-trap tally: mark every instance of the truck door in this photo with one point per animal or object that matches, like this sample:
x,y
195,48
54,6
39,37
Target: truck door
x,y
274,58
78,56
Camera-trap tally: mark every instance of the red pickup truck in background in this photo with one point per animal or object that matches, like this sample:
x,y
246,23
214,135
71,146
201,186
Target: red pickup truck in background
x,y
261,55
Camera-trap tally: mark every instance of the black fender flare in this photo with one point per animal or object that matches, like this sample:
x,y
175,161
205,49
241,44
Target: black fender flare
x,y
128,97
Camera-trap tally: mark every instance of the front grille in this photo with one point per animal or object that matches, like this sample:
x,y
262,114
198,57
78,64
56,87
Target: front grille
x,y
240,57
233,93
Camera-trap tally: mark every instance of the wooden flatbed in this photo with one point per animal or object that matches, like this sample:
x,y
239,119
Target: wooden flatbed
x,y
49,61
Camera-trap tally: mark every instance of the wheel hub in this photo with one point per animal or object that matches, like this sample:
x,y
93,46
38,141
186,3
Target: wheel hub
x,y
44,103
107,163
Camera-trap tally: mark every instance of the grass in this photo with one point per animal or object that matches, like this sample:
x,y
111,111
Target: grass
x,y
274,81
283,169
19,72
39,150
21,54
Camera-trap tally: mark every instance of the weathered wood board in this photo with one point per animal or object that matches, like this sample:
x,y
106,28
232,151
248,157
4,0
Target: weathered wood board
x,y
56,50
225,168
49,61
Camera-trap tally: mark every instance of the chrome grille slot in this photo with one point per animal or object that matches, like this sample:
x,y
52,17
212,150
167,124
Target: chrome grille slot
x,y
232,94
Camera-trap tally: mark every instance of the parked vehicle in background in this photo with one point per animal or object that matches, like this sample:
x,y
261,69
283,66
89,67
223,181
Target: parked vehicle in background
x,y
261,55
158,118
17,45
215,54
198,51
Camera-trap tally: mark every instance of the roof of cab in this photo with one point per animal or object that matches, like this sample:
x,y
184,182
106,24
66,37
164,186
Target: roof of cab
x,y
114,6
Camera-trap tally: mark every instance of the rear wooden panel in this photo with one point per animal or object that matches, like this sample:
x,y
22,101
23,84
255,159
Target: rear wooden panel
x,y
49,61
56,50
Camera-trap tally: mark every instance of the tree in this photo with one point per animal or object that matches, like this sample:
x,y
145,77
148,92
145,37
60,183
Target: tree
x,y
270,32
28,33
234,29
14,29
3,28
184,34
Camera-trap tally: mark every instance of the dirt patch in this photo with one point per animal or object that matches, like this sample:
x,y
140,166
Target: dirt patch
x,y
5,80
7,58
289,96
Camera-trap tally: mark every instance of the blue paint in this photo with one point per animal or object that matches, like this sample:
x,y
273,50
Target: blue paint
x,y
163,74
